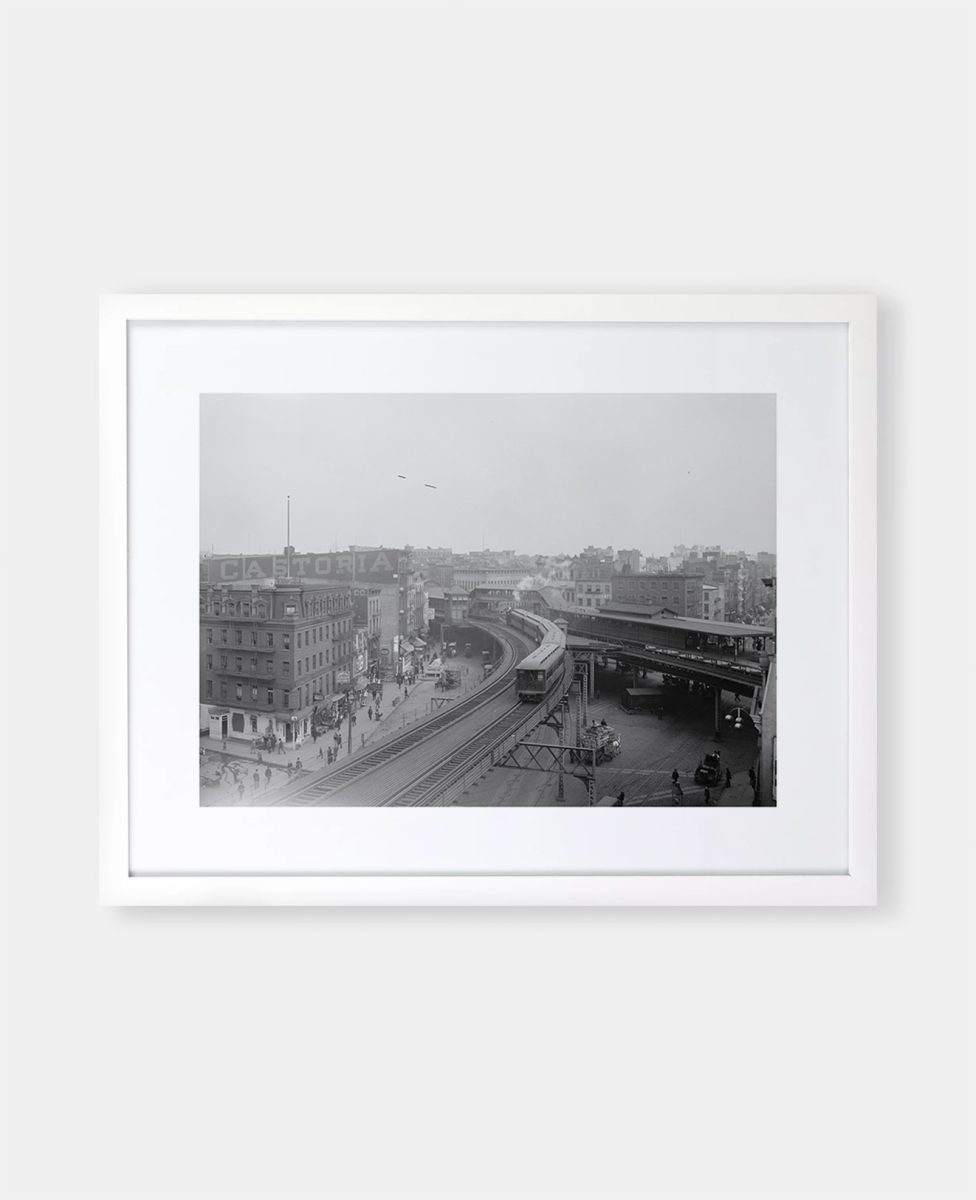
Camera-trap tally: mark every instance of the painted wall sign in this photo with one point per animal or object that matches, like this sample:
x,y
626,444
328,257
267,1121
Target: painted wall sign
x,y
367,566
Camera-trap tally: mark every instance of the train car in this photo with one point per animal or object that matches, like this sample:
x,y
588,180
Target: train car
x,y
536,673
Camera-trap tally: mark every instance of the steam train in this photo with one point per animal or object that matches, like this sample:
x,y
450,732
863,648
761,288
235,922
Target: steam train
x,y
536,673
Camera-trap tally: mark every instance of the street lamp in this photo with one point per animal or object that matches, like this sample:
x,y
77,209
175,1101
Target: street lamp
x,y
735,717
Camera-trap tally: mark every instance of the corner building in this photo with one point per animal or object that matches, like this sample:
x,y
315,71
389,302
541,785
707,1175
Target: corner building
x,y
270,652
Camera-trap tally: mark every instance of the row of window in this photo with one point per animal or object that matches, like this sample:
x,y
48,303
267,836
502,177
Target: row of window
x,y
256,638
316,606
311,663
255,693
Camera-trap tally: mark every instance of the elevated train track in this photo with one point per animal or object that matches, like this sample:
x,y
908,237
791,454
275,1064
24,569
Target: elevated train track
x,y
426,763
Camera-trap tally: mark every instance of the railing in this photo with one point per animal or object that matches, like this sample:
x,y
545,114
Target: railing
x,y
495,754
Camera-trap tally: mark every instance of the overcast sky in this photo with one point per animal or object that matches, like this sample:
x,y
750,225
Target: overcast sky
x,y
534,474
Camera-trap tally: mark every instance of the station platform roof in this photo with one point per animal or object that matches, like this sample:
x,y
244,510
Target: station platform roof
x,y
689,624
581,643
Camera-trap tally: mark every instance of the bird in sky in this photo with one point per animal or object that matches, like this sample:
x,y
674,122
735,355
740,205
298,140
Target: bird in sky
x,y
401,477
431,485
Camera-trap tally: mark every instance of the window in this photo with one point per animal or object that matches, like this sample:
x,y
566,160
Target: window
x,y
238,663
270,639
286,697
306,666
254,637
239,692
287,640
223,662
223,635
238,636
223,691
209,687
209,662
271,696
290,610
254,662
209,637
254,724
286,667
306,637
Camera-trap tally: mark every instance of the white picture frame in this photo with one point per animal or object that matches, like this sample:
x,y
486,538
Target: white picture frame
x,y
854,885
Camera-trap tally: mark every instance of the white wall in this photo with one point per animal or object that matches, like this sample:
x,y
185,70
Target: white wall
x,y
444,146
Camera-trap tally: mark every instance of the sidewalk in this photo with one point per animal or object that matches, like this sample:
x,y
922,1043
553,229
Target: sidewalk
x,y
239,760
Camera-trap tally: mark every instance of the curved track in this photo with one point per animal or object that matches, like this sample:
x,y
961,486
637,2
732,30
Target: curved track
x,y
394,772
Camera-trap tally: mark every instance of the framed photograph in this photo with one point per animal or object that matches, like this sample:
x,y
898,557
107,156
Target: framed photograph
x,y
514,600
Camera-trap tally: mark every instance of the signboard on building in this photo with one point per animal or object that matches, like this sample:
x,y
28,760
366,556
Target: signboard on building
x,y
365,566
342,678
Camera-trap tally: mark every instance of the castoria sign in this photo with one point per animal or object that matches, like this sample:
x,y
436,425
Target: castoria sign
x,y
363,566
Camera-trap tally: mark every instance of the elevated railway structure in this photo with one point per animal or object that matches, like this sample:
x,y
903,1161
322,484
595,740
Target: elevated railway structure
x,y
720,656
433,762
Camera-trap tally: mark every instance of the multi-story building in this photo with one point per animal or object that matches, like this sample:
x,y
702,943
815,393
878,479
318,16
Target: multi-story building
x,y
593,593
273,652
449,605
591,566
684,594
491,577
627,562
366,603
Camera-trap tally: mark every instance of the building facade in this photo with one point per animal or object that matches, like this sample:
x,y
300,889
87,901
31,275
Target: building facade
x,y
687,595
593,593
272,654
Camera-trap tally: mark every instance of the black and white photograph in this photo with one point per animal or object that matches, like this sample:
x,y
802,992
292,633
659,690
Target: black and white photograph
x,y
488,600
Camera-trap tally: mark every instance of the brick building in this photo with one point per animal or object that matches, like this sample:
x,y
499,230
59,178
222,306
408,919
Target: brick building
x,y
685,594
271,652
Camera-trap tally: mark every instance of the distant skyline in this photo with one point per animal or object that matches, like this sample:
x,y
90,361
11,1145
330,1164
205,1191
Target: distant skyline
x,y
537,474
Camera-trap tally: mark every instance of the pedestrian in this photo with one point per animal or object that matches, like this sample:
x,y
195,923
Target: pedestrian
x,y
362,740
677,795
225,745
256,777
267,777
752,778
369,712
298,765
321,755
728,777
619,802
708,798
288,768
240,788
674,776
328,757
